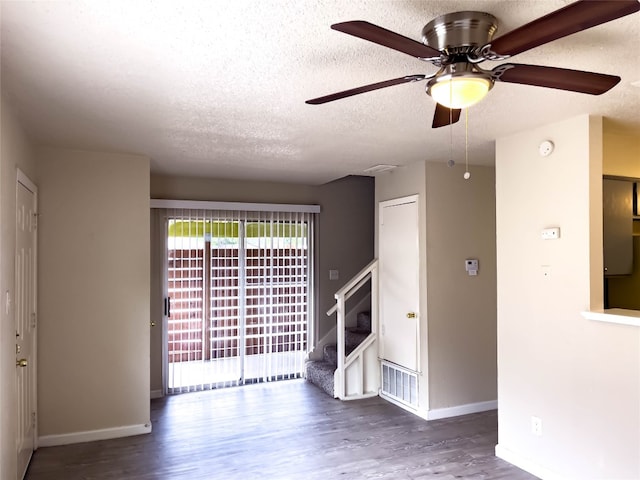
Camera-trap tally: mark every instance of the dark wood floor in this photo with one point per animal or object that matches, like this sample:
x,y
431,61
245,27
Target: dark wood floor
x,y
281,431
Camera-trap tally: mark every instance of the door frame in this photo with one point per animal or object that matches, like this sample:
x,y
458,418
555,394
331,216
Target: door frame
x,y
25,181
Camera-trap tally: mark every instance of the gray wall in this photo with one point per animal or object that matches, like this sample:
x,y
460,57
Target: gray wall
x,y
16,152
224,190
93,343
462,309
93,292
457,312
345,238
402,182
344,234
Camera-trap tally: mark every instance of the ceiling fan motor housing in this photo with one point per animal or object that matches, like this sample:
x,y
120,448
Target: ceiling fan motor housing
x,y
459,36
459,42
460,33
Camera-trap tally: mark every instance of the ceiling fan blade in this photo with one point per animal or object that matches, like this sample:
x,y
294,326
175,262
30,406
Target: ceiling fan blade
x,y
364,88
573,18
561,78
444,116
386,38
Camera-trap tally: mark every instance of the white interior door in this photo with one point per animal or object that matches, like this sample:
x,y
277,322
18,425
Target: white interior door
x,y
398,280
25,320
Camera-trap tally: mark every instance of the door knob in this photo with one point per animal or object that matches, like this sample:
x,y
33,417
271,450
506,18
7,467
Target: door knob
x,y
411,315
22,362
153,324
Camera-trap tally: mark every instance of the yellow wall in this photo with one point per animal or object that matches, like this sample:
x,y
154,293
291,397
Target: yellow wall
x,y
621,154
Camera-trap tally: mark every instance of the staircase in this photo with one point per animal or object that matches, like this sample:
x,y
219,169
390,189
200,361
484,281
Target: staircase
x,y
322,372
353,360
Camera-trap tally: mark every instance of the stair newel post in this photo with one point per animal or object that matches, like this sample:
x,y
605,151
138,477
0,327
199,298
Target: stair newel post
x,y
340,334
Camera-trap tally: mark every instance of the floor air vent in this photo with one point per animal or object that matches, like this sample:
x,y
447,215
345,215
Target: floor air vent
x,y
400,384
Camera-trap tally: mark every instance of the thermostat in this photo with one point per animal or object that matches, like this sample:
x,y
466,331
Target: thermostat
x,y
471,266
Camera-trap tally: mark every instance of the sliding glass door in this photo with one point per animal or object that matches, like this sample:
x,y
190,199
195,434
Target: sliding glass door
x,y
239,301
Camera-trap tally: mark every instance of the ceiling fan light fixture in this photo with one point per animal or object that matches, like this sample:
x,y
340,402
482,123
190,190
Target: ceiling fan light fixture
x,y
459,92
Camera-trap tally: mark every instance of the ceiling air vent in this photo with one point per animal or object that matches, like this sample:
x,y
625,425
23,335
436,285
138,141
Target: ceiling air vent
x,y
379,169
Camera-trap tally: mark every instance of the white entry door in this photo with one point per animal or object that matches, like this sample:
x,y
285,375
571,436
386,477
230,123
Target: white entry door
x,y
25,320
398,280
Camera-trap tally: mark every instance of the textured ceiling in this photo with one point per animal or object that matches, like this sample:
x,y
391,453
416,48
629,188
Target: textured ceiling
x,y
217,88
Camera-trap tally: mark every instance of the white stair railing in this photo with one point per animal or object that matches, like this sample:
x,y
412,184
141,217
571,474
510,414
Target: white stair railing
x,y
358,375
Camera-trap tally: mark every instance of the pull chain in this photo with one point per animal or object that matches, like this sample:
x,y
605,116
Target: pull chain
x,y
466,175
450,163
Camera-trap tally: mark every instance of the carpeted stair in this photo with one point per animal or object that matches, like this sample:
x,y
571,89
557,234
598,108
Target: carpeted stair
x,y
320,372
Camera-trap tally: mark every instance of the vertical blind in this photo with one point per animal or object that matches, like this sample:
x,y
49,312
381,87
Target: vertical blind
x,y
240,306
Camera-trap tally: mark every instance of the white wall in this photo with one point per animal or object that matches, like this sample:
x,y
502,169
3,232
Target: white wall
x,y
16,152
93,294
582,378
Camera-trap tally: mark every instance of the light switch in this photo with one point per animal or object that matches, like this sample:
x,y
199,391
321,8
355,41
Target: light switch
x,y
333,275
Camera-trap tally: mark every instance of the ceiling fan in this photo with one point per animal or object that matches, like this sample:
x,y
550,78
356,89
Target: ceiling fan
x,y
458,42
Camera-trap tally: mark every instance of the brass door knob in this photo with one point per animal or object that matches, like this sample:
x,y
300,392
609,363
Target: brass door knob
x,y
153,324
411,315
22,362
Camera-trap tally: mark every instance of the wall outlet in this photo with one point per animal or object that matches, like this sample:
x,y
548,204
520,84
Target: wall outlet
x,y
546,272
551,233
536,426
334,275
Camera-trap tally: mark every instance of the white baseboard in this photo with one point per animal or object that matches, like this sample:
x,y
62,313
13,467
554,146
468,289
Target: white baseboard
x,y
458,410
526,464
156,394
93,435
439,413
